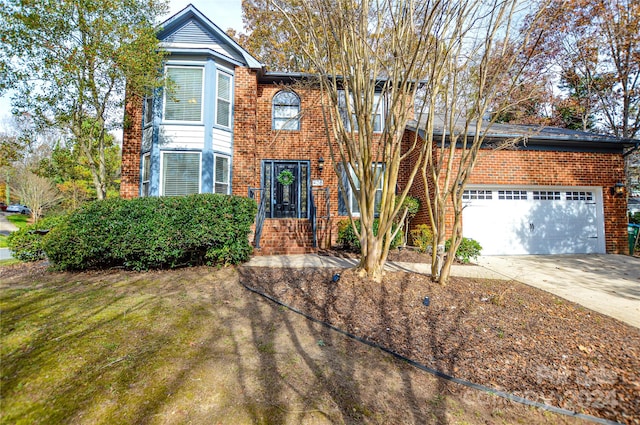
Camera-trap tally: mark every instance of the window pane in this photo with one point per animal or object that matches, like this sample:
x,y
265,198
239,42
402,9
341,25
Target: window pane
x,y
180,173
267,187
223,115
223,103
184,103
224,86
286,111
221,188
304,190
222,169
148,110
377,123
355,207
146,167
376,115
146,173
221,175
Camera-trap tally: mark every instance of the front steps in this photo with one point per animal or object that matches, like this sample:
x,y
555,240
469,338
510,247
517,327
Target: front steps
x,y
286,237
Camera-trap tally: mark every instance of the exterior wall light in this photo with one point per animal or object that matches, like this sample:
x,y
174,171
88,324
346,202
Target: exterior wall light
x,y
618,189
320,164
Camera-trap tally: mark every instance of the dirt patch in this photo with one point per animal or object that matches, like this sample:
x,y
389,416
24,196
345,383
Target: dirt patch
x,y
504,335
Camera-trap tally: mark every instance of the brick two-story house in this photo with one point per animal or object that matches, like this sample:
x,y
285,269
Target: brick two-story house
x,y
230,126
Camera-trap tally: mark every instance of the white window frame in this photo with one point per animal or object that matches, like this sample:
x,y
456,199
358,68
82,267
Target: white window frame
x,y
287,123
219,99
166,97
215,174
145,175
352,201
162,170
378,103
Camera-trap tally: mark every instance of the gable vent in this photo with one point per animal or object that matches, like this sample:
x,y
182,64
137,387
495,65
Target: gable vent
x,y
192,32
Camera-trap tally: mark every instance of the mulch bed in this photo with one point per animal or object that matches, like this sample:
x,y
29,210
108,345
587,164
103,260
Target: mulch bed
x,y
504,335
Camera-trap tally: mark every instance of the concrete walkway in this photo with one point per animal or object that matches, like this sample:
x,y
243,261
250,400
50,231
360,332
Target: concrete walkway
x,y
608,284
6,227
314,260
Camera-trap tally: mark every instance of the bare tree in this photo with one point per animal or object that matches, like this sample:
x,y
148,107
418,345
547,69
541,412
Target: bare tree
x,y
37,192
369,85
457,55
477,74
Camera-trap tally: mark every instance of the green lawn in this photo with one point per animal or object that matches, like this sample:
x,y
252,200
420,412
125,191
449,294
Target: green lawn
x,y
20,220
89,348
193,346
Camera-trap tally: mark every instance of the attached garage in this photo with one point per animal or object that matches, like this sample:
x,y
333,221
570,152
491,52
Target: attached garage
x,y
519,220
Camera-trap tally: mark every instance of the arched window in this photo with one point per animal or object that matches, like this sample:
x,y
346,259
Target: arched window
x,y
286,111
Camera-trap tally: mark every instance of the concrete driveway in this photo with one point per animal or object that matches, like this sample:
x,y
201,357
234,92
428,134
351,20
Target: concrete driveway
x,y
609,284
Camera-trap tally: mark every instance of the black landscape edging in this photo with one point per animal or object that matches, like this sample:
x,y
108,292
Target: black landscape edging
x,y
438,373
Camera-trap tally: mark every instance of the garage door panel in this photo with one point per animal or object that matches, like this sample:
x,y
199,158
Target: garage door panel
x,y
517,225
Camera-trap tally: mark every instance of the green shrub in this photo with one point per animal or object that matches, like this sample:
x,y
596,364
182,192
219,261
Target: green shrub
x,y
26,243
412,205
422,237
468,249
634,218
149,233
348,239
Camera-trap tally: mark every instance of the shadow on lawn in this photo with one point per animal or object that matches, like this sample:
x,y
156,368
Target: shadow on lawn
x,y
194,346
357,389
95,351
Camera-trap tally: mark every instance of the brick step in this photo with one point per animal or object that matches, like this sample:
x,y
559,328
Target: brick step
x,y
286,237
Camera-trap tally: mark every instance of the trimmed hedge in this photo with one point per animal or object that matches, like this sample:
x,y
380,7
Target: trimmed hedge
x,y
26,243
154,233
348,239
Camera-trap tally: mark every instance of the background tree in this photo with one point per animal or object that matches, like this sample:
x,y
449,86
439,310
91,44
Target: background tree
x,y
67,168
594,45
69,61
38,193
269,35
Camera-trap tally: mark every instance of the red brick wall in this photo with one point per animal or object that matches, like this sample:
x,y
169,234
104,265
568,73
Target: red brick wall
x,y
254,139
131,146
552,168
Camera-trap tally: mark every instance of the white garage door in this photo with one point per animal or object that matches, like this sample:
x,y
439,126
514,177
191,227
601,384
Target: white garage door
x,y
539,220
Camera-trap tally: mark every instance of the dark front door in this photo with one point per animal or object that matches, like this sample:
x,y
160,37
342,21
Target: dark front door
x,y
285,199
286,188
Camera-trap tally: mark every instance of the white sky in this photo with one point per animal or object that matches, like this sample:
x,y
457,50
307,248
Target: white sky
x,y
224,13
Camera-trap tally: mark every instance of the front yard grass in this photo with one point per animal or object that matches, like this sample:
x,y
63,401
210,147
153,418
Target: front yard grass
x,y
20,220
193,346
